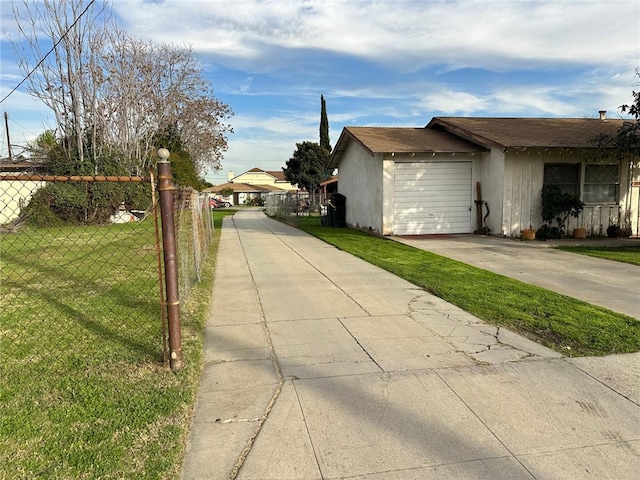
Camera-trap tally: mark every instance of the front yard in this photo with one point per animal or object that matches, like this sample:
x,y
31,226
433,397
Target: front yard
x,y
102,405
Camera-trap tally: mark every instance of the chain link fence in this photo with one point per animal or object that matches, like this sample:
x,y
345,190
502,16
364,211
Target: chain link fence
x,y
194,231
81,276
291,206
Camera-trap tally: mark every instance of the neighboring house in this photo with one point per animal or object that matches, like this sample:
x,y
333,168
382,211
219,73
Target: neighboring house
x,y
416,181
252,184
330,185
241,192
256,176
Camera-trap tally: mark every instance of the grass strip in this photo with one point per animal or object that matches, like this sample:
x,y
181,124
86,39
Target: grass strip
x,y
627,254
567,325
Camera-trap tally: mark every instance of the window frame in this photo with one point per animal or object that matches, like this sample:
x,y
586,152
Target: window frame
x,y
580,185
616,184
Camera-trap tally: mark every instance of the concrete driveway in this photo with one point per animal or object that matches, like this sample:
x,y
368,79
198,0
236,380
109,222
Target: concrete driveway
x,y
612,285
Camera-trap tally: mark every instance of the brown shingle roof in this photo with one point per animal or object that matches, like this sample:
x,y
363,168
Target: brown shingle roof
x,y
401,140
528,132
409,140
279,174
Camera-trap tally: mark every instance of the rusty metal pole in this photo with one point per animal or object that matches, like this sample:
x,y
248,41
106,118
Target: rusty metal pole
x,y
165,190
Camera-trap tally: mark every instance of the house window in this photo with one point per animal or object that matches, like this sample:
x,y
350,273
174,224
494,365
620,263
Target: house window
x,y
564,175
600,184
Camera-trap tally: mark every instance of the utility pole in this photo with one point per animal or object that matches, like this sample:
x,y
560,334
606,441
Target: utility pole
x,y
6,126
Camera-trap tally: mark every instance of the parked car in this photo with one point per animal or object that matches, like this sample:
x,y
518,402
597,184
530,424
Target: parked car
x,y
224,201
214,203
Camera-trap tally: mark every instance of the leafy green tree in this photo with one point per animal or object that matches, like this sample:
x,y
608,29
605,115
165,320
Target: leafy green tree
x,y
626,141
306,167
558,206
324,126
628,137
226,192
43,145
183,169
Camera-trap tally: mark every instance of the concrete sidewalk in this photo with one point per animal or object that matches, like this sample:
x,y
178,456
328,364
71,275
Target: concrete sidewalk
x,y
322,366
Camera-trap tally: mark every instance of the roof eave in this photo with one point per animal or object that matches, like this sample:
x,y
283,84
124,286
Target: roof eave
x,y
345,137
437,122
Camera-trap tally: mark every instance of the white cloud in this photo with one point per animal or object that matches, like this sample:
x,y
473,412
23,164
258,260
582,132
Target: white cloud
x,y
245,86
454,102
400,34
385,62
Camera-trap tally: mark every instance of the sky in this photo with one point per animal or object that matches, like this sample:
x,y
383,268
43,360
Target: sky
x,y
377,63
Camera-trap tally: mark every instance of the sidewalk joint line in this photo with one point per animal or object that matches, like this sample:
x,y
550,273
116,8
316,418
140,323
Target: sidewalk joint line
x,y
276,365
513,455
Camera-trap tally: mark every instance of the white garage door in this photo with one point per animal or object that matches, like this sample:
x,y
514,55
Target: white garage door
x,y
433,197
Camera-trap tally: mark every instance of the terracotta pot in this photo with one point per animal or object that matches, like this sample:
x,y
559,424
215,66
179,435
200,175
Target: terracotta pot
x,y
580,233
528,234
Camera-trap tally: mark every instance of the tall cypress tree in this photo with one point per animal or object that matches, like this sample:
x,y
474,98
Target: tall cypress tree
x,y
324,126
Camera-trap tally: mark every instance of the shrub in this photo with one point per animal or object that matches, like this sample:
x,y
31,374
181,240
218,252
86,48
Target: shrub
x,y
557,206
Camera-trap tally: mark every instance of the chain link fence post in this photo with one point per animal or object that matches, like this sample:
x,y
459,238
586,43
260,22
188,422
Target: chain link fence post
x,y
165,189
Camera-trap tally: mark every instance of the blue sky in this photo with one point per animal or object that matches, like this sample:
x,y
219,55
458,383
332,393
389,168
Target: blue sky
x,y
377,63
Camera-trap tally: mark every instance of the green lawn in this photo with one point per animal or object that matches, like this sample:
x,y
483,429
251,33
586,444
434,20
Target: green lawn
x,y
628,254
567,325
83,392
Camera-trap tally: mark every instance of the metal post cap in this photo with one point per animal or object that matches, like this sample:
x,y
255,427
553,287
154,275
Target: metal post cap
x,y
163,153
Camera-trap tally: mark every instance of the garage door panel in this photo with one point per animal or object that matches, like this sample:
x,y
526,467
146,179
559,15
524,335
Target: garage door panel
x,y
443,205
432,197
443,214
440,190
436,191
409,183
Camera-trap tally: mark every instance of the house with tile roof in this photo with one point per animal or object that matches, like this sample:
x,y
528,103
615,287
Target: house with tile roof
x,y
465,175
253,184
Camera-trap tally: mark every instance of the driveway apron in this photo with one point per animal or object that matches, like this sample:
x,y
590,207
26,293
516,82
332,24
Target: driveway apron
x,y
319,365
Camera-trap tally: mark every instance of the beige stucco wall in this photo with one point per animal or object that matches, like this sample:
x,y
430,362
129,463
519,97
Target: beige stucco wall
x,y
630,201
361,179
15,194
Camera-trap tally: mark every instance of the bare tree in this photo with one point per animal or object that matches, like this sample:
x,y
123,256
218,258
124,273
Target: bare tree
x,y
110,93
151,87
68,79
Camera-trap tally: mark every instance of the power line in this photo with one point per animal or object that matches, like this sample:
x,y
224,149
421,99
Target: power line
x,y
49,52
13,120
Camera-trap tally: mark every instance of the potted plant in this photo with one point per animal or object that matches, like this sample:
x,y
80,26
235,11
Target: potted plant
x,y
614,231
528,234
580,233
557,206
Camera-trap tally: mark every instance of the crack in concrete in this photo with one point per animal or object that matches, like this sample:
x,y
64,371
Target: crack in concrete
x,y
470,345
